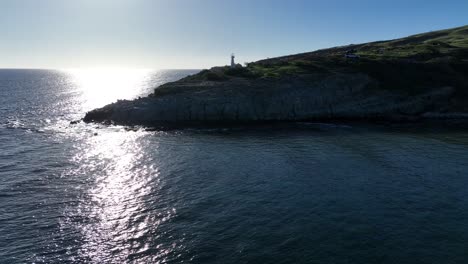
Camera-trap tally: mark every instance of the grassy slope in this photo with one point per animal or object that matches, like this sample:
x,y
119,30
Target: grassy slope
x,y
409,65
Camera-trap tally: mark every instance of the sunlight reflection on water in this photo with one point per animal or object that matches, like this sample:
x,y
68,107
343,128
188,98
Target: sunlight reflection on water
x,y
118,217
115,214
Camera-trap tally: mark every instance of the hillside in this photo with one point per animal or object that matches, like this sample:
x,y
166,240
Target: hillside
x,y
420,75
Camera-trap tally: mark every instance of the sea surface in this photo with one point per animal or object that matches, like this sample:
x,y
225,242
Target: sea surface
x,y
303,193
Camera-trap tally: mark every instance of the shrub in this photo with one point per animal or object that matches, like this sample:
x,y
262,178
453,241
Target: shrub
x,y
240,72
211,76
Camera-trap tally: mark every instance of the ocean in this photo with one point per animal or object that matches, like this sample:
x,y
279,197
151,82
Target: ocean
x,y
301,193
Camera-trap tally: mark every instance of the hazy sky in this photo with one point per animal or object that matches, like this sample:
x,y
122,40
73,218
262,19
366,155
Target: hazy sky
x,y
201,33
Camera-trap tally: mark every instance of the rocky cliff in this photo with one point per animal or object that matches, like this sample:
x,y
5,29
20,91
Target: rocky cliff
x,y
422,76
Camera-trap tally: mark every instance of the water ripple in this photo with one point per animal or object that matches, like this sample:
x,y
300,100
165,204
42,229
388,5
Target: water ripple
x,y
309,193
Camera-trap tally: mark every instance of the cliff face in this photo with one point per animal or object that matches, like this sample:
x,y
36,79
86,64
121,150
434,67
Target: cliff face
x,y
340,96
387,81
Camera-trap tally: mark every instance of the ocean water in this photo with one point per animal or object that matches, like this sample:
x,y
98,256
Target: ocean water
x,y
304,193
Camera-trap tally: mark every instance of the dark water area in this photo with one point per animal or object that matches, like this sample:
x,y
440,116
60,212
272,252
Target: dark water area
x,y
310,193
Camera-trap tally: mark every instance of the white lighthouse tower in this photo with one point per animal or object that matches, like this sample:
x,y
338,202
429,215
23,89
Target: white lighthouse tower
x,y
233,64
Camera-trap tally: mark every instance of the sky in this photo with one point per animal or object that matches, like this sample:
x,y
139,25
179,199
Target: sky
x,y
195,34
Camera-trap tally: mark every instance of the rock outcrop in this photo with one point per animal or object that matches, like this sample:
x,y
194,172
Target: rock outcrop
x,y
341,96
422,76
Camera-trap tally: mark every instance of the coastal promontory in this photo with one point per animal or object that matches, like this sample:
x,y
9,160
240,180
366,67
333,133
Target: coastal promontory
x,y
423,76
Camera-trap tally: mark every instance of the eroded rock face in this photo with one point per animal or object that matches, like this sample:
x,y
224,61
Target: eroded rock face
x,y
420,76
339,96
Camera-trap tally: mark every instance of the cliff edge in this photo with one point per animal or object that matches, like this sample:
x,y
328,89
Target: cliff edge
x,y
423,76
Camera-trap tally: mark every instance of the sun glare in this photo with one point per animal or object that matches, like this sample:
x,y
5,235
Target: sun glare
x,y
100,86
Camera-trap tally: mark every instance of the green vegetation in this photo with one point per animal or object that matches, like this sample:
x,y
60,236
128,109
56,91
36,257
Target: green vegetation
x,y
434,47
420,47
257,71
410,64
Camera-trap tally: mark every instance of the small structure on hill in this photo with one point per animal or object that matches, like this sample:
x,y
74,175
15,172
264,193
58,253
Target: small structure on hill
x,y
233,64
351,54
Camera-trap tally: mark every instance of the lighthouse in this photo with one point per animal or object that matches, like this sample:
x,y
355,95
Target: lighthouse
x,y
233,64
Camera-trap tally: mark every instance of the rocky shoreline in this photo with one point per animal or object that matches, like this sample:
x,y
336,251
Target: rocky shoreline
x,y
422,77
341,97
